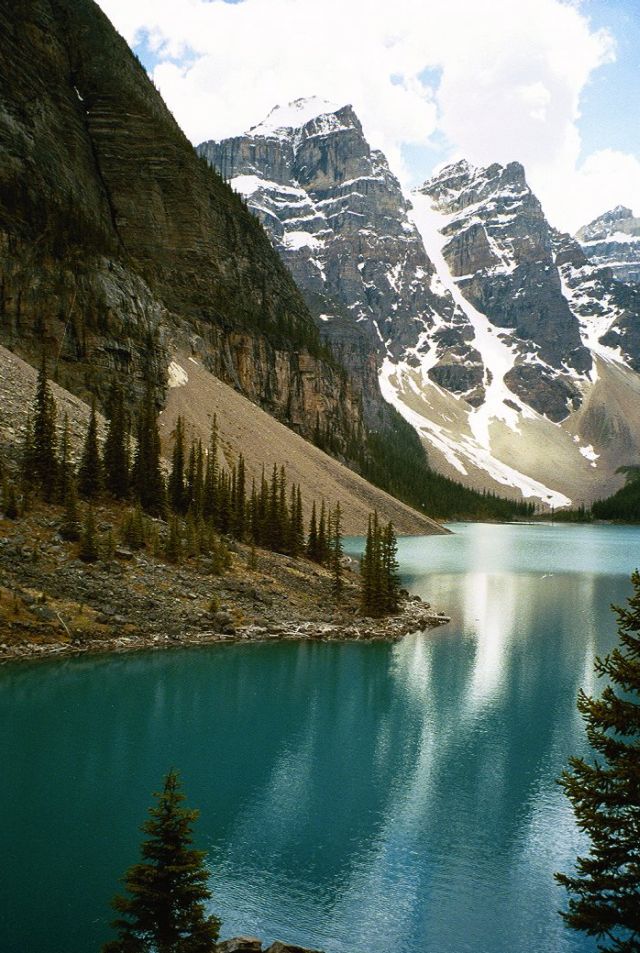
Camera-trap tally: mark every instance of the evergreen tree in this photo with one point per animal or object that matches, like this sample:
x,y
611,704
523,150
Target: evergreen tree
x,y
65,474
604,893
90,469
323,544
312,539
176,489
240,501
133,528
173,547
336,551
89,551
116,447
164,911
391,573
41,458
71,528
367,564
148,482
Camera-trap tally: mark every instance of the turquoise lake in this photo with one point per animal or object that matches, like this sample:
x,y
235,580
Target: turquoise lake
x,y
355,798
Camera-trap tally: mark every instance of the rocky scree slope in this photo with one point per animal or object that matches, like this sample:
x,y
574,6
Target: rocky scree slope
x,y
116,241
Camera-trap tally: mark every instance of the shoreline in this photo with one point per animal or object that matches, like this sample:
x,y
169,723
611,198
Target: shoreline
x,y
414,616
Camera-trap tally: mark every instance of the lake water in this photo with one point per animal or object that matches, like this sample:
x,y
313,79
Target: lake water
x,y
356,798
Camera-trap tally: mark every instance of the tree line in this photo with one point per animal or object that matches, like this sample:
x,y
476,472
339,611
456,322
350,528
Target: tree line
x,y
202,500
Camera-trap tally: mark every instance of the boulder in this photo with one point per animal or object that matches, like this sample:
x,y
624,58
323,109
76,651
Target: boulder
x,y
240,944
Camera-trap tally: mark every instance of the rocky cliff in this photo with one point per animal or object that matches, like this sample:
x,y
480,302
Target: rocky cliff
x,y
511,354
117,242
339,220
613,240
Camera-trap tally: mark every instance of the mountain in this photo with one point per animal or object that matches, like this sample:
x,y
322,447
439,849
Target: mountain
x,y
512,355
119,247
613,240
117,243
339,220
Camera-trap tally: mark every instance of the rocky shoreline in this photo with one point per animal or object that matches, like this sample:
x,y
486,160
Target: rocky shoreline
x,y
52,605
414,616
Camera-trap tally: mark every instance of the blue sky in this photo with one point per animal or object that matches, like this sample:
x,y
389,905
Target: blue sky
x,y
611,100
554,84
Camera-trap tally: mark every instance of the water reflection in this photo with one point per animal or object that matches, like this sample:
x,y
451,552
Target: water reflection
x,y
354,798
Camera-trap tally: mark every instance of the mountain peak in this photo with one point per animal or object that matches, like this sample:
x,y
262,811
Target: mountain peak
x,y
299,112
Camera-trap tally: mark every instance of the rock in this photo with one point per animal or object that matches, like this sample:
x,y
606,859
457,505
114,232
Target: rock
x,y
124,554
279,947
240,944
44,613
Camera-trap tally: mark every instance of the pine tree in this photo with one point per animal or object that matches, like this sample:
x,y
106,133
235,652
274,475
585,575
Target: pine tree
x,y
176,489
89,551
90,469
604,893
71,528
336,551
391,570
323,543
42,460
312,539
173,546
367,571
65,473
148,482
164,911
116,447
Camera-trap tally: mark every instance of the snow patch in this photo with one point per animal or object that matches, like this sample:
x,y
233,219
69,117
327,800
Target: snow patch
x,y
296,240
176,375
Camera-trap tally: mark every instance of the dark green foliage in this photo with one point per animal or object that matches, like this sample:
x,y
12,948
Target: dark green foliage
x,y
133,530
379,571
176,488
147,480
173,546
323,542
71,528
312,539
40,462
623,505
604,892
395,460
89,550
90,470
164,909
116,447
336,552
65,470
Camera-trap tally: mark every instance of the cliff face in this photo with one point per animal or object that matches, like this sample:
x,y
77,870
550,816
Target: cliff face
x,y
339,220
117,242
613,240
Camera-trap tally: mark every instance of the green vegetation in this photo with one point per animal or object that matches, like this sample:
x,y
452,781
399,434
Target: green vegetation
x,y
395,460
164,911
380,581
623,505
604,893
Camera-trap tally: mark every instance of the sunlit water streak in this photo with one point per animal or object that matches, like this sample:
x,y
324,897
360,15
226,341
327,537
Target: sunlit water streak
x,y
357,798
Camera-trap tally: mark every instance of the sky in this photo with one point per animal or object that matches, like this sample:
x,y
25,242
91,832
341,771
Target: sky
x,y
554,84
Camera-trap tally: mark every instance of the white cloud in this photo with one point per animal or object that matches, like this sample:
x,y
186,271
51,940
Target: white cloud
x,y
503,78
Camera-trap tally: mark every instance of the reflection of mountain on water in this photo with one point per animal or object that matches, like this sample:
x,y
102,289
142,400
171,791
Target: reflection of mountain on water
x,y
353,797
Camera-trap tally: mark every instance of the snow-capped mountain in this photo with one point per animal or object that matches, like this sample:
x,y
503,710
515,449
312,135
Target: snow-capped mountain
x,y
613,240
512,354
340,221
